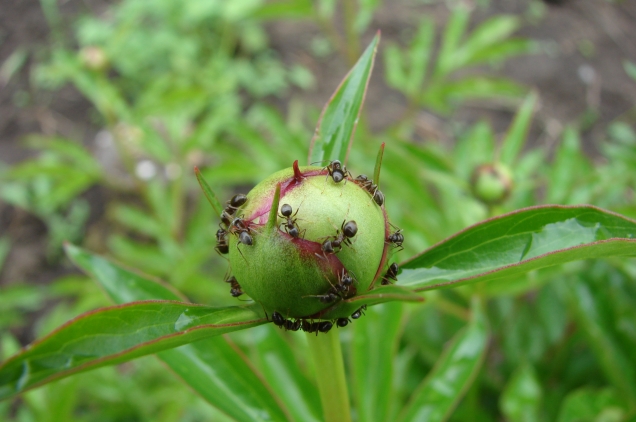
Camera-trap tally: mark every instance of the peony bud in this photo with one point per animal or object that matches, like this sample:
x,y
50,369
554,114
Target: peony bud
x,y
491,183
327,243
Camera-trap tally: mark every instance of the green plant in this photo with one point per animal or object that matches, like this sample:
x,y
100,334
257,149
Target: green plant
x,y
498,251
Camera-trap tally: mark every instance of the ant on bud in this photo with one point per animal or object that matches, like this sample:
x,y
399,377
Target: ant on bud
x,y
391,274
235,290
366,184
396,238
337,171
291,228
221,242
333,244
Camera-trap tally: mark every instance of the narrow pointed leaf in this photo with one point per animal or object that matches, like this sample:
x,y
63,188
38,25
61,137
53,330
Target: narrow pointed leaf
x,y
517,132
519,242
454,372
208,192
373,358
210,366
118,334
337,124
378,165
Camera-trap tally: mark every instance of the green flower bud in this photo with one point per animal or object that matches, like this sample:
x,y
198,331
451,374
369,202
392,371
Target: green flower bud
x,y
298,264
491,183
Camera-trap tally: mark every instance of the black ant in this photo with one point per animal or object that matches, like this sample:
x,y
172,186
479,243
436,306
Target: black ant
x,y
345,285
337,171
315,327
221,242
290,225
230,208
278,319
344,235
235,203
292,325
342,322
359,312
235,290
397,238
391,274
368,185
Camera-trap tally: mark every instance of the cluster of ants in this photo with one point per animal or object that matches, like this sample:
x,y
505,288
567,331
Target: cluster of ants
x,y
236,225
314,326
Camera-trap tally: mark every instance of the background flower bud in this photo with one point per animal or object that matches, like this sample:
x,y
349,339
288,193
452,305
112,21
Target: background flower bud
x,y
491,183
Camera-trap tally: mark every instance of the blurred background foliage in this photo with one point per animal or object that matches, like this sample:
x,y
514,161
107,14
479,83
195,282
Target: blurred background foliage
x,y
171,85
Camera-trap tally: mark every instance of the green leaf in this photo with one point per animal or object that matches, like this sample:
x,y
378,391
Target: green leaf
x,y
378,165
616,362
521,399
337,124
519,242
630,68
281,370
454,372
419,56
378,295
455,29
211,366
372,358
516,136
118,334
585,405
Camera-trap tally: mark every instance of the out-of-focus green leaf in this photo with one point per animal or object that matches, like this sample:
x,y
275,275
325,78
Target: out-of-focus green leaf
x,y
5,247
285,9
336,127
455,28
454,372
587,405
13,64
489,33
281,370
630,68
372,358
516,137
616,363
569,166
210,366
118,334
519,242
441,96
521,399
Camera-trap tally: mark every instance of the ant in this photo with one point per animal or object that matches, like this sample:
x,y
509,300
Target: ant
x,y
278,319
358,313
397,238
235,291
344,235
292,326
230,208
345,285
342,322
221,242
290,225
391,274
315,327
366,184
337,171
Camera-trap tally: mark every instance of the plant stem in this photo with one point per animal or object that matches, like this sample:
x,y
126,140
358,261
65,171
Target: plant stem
x,y
326,354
